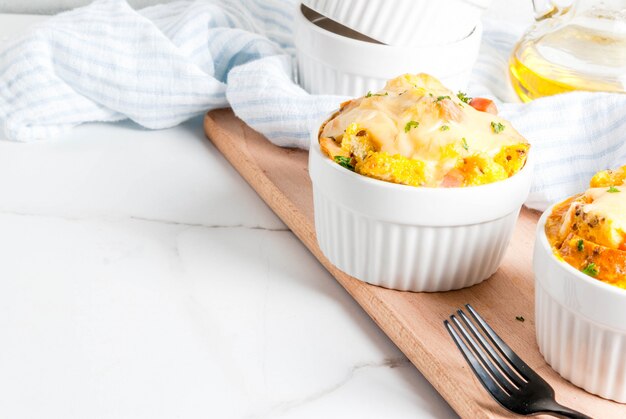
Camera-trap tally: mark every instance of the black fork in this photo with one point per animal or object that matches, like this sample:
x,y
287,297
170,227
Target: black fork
x,y
509,380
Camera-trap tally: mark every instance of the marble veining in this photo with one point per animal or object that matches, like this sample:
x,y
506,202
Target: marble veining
x,y
250,227
141,277
282,407
134,296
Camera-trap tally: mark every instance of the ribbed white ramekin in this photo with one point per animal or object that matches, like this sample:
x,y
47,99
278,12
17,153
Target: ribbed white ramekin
x,y
329,63
580,323
405,22
408,238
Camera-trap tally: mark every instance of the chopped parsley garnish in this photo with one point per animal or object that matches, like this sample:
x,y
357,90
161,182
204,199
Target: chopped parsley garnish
x,y
497,127
520,318
370,94
344,161
580,246
463,97
613,189
411,124
444,128
440,98
464,143
591,269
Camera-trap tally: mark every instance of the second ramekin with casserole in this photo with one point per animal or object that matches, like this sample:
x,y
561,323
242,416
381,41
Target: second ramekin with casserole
x,y
580,286
415,189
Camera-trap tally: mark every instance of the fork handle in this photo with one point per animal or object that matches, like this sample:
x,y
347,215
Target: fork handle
x,y
560,411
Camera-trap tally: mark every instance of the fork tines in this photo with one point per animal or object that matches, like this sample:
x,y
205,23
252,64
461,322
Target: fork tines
x,y
505,376
499,369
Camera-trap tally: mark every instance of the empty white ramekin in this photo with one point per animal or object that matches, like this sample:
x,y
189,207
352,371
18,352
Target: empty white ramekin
x,y
580,322
329,63
405,22
410,238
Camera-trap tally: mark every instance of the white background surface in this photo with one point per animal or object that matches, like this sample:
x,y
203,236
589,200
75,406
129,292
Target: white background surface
x,y
140,277
518,10
55,6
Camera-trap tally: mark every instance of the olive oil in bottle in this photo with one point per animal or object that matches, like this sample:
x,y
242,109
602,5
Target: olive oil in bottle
x,y
584,54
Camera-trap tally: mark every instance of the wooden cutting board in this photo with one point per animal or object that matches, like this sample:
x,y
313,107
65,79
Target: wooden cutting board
x,y
413,321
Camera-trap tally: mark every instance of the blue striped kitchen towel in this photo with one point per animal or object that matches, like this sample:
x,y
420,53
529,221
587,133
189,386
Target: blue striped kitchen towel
x,y
164,64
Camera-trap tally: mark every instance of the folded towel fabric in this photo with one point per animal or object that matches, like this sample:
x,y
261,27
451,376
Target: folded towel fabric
x,y
164,64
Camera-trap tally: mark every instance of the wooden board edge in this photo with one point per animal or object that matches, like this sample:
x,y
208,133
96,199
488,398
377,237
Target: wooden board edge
x,y
371,304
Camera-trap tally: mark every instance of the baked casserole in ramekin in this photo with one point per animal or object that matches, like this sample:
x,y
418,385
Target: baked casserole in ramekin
x,y
580,286
417,188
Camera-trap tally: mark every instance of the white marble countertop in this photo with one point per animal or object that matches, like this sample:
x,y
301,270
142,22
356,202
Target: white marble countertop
x,y
141,277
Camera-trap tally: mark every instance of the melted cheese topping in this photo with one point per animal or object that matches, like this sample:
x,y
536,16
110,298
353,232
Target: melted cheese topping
x,y
608,205
417,118
588,231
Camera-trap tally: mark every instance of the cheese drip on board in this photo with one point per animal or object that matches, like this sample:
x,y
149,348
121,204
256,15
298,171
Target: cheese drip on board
x,y
416,119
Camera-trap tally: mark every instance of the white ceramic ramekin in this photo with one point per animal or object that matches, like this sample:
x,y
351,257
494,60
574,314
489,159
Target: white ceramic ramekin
x,y
580,322
405,22
329,63
409,238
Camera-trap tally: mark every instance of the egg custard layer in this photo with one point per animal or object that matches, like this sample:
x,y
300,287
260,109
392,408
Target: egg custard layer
x,y
588,231
417,132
